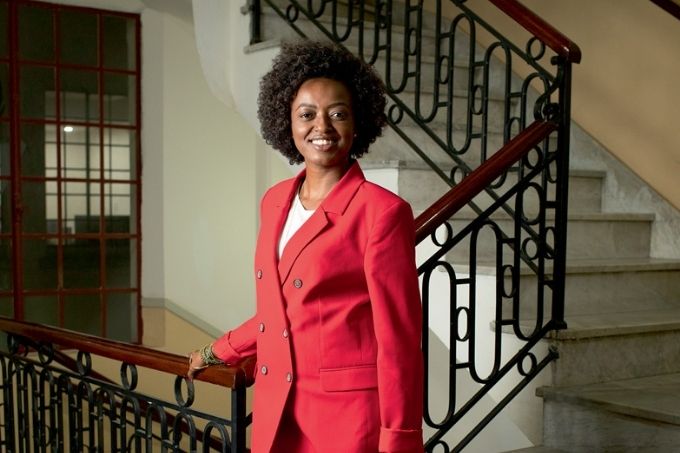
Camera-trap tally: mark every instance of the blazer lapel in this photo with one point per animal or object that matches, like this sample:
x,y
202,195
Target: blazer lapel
x,y
336,202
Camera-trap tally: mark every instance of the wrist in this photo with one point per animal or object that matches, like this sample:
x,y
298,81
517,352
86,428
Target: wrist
x,y
208,356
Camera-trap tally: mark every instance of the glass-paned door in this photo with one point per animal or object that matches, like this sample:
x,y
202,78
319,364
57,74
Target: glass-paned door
x,y
69,161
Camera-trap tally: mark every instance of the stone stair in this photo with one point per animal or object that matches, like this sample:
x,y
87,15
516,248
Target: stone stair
x,y
616,385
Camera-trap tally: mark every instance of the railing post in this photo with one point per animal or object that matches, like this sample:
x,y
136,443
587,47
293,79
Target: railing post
x,y
561,196
238,417
254,8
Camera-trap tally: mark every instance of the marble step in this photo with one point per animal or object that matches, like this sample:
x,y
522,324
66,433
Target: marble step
x,y
418,184
274,29
589,236
398,11
539,449
626,345
597,286
459,114
391,146
639,415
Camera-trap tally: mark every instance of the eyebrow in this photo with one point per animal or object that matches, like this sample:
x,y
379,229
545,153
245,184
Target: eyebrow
x,y
335,104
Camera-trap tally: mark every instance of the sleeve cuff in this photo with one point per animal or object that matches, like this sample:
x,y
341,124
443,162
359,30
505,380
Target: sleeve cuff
x,y
401,440
224,351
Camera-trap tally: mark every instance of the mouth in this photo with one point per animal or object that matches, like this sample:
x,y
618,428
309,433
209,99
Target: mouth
x,y
323,141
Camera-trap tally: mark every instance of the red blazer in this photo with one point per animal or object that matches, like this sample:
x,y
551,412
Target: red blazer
x,y
342,306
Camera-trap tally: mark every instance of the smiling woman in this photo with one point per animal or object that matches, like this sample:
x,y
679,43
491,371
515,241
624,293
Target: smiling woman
x,y
337,327
323,132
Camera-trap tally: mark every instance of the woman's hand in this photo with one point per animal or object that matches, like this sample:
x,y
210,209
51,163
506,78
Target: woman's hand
x,y
196,364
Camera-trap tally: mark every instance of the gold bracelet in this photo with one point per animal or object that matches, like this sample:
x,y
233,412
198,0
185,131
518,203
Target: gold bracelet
x,y
208,356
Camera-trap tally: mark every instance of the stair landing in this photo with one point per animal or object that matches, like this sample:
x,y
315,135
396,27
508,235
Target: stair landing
x,y
633,415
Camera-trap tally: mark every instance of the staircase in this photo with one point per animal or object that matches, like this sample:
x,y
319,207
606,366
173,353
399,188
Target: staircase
x,y
616,385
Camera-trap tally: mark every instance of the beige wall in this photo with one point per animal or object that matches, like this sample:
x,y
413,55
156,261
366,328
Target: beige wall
x,y
625,91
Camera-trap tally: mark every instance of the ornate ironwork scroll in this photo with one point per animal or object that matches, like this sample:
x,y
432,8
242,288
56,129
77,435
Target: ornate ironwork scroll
x,y
48,407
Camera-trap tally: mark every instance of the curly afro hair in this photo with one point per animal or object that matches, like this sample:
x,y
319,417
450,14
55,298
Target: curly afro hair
x,y
304,60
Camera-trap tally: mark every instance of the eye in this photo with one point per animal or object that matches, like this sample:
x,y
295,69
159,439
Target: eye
x,y
340,115
306,115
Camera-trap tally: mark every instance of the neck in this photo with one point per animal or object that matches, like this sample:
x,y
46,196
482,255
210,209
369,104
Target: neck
x,y
318,183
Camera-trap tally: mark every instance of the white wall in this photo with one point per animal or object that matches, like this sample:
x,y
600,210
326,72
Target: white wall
x,y
209,204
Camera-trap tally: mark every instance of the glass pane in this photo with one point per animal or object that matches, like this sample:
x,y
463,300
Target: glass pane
x,y
42,310
5,265
37,92
81,206
5,206
81,264
36,28
119,42
119,154
34,196
121,317
83,313
120,207
6,307
5,186
121,260
79,95
78,43
4,150
38,150
4,90
119,99
40,264
80,153
4,31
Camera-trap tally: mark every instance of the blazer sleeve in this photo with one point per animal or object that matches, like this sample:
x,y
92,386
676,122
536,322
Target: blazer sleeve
x,y
237,344
395,301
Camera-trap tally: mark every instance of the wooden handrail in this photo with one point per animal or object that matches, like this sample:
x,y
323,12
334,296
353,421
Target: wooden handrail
x,y
225,376
481,177
562,45
670,6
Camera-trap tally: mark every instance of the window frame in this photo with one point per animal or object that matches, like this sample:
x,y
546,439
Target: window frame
x,y
62,238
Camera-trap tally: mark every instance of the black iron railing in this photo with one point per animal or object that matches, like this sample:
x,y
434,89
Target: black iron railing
x,y
493,122
51,401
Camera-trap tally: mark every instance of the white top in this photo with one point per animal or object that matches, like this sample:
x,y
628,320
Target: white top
x,y
296,217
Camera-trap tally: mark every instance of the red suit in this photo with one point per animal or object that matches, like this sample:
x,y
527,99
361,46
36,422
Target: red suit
x,y
338,325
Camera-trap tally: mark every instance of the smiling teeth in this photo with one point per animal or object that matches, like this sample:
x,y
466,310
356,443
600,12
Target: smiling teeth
x,y
322,142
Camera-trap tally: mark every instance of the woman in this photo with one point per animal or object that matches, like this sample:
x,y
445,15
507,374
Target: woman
x,y
338,321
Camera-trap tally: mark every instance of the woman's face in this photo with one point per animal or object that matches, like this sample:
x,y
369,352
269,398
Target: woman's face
x,y
322,123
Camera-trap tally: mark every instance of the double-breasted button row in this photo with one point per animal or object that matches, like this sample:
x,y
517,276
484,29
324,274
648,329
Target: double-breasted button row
x,y
297,283
264,371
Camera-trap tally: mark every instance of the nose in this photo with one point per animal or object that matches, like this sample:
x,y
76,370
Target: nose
x,y
322,123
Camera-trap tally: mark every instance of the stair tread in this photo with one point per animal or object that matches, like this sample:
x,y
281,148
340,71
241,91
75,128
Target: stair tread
x,y
537,449
366,163
611,324
593,266
654,398
622,265
583,216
